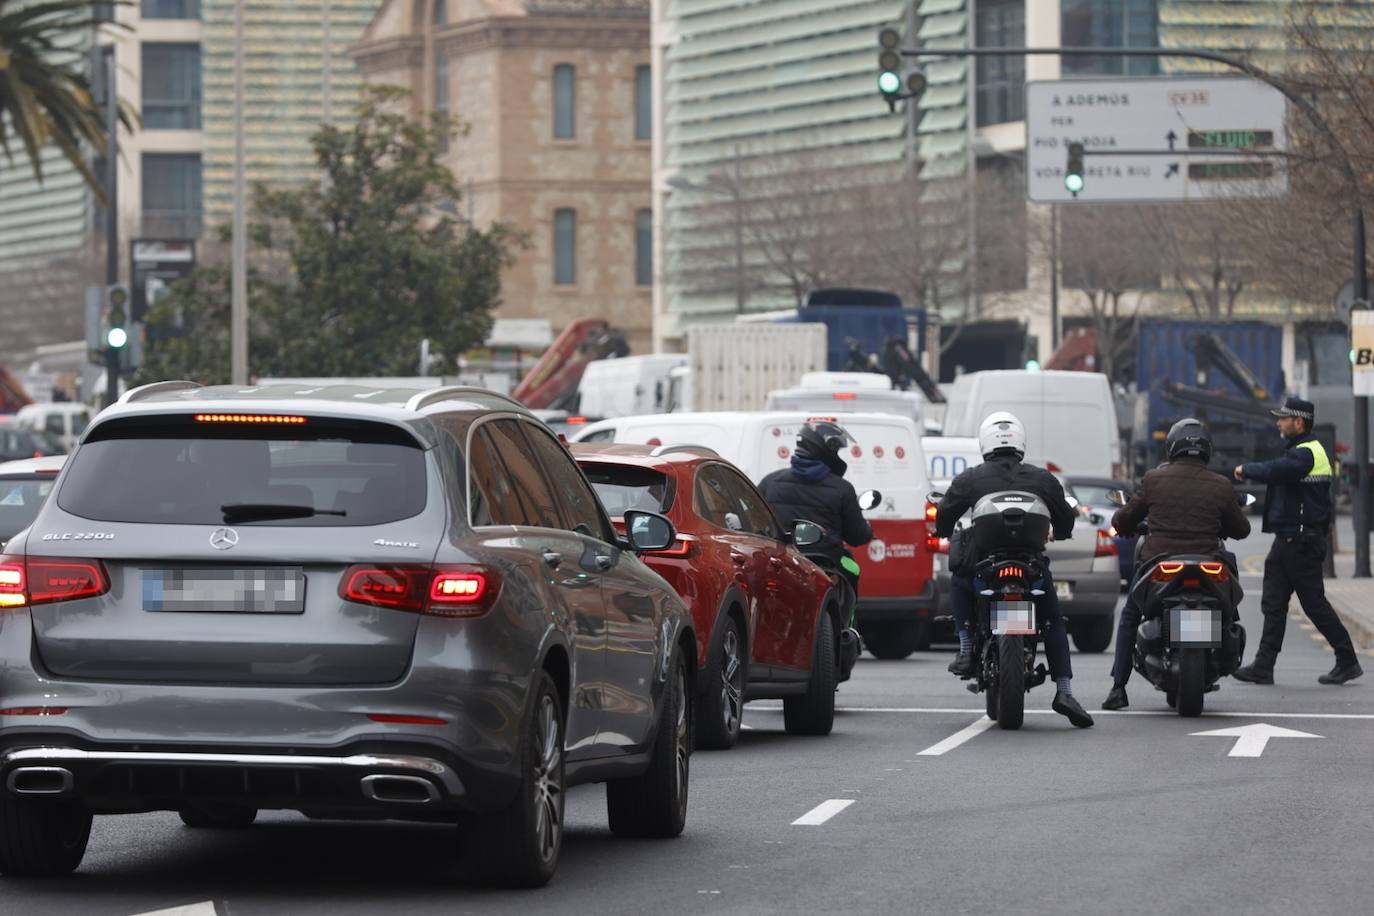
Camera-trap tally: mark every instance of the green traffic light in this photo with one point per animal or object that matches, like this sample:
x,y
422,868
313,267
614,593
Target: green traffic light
x,y
889,83
116,338
1073,182
1032,365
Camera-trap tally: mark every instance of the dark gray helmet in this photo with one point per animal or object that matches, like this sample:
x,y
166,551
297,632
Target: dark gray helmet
x,y
824,441
1189,438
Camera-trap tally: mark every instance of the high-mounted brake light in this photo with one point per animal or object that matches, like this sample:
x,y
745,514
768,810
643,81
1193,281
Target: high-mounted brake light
x,y
265,418
573,421
844,395
44,580
1165,572
1106,547
444,591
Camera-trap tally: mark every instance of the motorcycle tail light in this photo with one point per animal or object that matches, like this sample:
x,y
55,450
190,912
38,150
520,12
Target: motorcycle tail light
x,y
932,512
1217,571
1106,547
1165,572
1010,572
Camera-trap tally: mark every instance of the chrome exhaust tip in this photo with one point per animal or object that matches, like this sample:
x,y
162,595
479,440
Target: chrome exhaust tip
x,y
406,790
40,781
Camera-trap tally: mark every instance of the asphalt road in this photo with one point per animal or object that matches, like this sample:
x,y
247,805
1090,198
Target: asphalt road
x,y
1136,815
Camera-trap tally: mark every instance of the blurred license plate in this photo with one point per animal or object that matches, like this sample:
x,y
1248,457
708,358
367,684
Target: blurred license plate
x,y
1013,618
1195,627
241,591
1063,591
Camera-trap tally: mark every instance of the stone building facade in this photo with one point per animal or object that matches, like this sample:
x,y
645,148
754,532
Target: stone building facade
x,y
556,98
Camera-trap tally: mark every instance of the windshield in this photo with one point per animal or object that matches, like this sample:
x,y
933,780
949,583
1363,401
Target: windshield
x,y
172,470
622,487
1095,495
20,500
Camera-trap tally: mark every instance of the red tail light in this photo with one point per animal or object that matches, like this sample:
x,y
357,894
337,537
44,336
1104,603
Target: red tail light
x,y
34,711
1218,571
932,512
1165,572
443,591
1106,547
684,546
43,580
1010,572
843,395
933,544
401,719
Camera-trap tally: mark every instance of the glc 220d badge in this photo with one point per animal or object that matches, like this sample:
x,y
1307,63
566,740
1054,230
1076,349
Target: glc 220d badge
x,y
80,536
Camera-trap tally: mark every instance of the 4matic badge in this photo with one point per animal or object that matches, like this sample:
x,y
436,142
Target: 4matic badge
x,y
385,542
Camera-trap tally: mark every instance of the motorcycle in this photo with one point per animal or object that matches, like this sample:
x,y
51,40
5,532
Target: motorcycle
x,y
845,576
1010,529
1190,636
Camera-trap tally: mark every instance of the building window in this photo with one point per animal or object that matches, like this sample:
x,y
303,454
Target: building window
x,y
171,86
644,247
441,95
565,247
644,106
564,97
1001,80
439,15
171,195
171,9
1110,24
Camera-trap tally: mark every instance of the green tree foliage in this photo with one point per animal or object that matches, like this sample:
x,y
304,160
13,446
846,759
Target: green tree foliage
x,y
375,264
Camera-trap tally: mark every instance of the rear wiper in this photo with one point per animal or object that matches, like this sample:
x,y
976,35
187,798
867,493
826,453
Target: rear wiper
x,y
258,512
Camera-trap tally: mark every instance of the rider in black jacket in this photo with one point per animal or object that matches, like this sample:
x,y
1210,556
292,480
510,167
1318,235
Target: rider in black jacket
x,y
813,488
1002,440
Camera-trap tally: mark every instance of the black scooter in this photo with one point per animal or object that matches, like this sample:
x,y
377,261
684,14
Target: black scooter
x,y
845,575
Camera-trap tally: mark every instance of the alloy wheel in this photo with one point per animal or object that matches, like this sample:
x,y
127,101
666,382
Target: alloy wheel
x,y
548,787
731,683
681,750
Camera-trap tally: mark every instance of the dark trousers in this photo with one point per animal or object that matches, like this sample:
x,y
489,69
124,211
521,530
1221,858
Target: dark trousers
x,y
961,599
1129,621
1295,565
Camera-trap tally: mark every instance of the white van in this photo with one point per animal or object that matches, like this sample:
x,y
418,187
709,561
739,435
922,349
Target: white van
x,y
1070,417
627,385
65,421
848,392
896,587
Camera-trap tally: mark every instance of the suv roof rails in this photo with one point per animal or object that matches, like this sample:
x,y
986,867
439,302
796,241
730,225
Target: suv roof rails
x,y
660,450
144,391
454,392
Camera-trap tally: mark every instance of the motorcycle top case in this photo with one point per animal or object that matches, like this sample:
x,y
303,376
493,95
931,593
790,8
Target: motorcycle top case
x,y
1010,520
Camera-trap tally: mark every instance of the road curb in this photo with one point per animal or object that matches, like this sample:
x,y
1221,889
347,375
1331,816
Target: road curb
x,y
1359,622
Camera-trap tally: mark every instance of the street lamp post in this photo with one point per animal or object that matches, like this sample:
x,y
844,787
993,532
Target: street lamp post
x,y
726,187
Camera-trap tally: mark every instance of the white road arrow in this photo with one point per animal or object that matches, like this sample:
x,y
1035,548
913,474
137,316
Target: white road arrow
x,y
1251,739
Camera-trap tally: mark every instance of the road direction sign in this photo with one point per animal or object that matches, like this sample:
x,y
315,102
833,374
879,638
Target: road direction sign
x,y
1251,739
1179,134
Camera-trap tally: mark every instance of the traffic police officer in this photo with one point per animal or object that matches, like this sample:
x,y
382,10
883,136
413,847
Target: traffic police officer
x,y
1298,512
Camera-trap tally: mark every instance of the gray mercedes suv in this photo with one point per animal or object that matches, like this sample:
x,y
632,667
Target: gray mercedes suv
x,y
351,602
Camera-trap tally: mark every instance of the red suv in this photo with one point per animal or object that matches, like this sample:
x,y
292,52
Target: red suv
x,y
756,600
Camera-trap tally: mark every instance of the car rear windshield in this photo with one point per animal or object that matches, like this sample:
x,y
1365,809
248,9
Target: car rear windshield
x,y
20,500
624,487
176,470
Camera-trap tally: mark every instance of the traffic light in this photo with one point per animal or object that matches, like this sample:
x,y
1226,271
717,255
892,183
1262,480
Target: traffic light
x,y
1073,172
116,316
889,64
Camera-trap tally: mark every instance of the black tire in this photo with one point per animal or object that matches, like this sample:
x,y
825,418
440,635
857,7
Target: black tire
x,y
925,636
1011,682
813,712
1094,635
519,845
1171,697
40,838
654,803
227,817
891,641
1192,682
720,713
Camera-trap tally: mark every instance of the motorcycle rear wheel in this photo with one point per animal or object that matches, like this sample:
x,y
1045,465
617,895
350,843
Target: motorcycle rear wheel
x,y
1192,681
1011,682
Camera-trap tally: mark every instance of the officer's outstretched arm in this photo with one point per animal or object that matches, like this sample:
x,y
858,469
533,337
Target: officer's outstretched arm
x,y
1293,466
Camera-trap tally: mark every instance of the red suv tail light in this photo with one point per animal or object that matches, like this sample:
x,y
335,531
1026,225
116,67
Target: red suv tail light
x,y
684,546
26,581
1106,547
439,591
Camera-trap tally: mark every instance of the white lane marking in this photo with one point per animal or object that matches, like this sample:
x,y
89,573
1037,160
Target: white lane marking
x,y
961,736
1251,739
965,711
191,909
823,812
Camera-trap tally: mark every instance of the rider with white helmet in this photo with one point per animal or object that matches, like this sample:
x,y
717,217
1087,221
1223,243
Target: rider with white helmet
x,y
1002,440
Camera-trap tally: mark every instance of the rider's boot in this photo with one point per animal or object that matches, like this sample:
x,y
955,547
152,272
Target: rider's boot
x,y
962,665
1065,704
1116,699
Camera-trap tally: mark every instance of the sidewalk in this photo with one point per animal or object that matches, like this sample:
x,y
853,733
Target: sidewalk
x,y
1353,599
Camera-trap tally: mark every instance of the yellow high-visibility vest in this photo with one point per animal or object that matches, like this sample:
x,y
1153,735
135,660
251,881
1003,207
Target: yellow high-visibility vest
x,y
1321,464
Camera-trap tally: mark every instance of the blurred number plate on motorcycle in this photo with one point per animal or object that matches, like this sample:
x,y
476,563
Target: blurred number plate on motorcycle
x,y
1063,591
1195,627
237,591
1013,618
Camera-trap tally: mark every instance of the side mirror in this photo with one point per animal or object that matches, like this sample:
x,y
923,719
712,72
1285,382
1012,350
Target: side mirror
x,y
1117,497
869,499
1247,500
648,531
807,534
935,496
1097,519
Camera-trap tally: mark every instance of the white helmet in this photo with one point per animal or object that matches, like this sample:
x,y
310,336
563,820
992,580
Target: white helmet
x,y
1002,432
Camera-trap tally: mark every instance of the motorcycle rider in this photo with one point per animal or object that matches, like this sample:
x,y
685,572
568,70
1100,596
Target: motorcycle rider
x,y
1002,441
1297,509
1189,509
813,488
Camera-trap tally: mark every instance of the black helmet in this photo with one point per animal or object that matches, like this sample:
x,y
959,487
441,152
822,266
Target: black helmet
x,y
1189,438
823,440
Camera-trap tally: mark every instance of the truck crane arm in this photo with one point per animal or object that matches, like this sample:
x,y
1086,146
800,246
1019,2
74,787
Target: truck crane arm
x,y
1210,350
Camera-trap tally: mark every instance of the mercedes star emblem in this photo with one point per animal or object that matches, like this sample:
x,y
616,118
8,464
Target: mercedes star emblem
x,y
223,538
